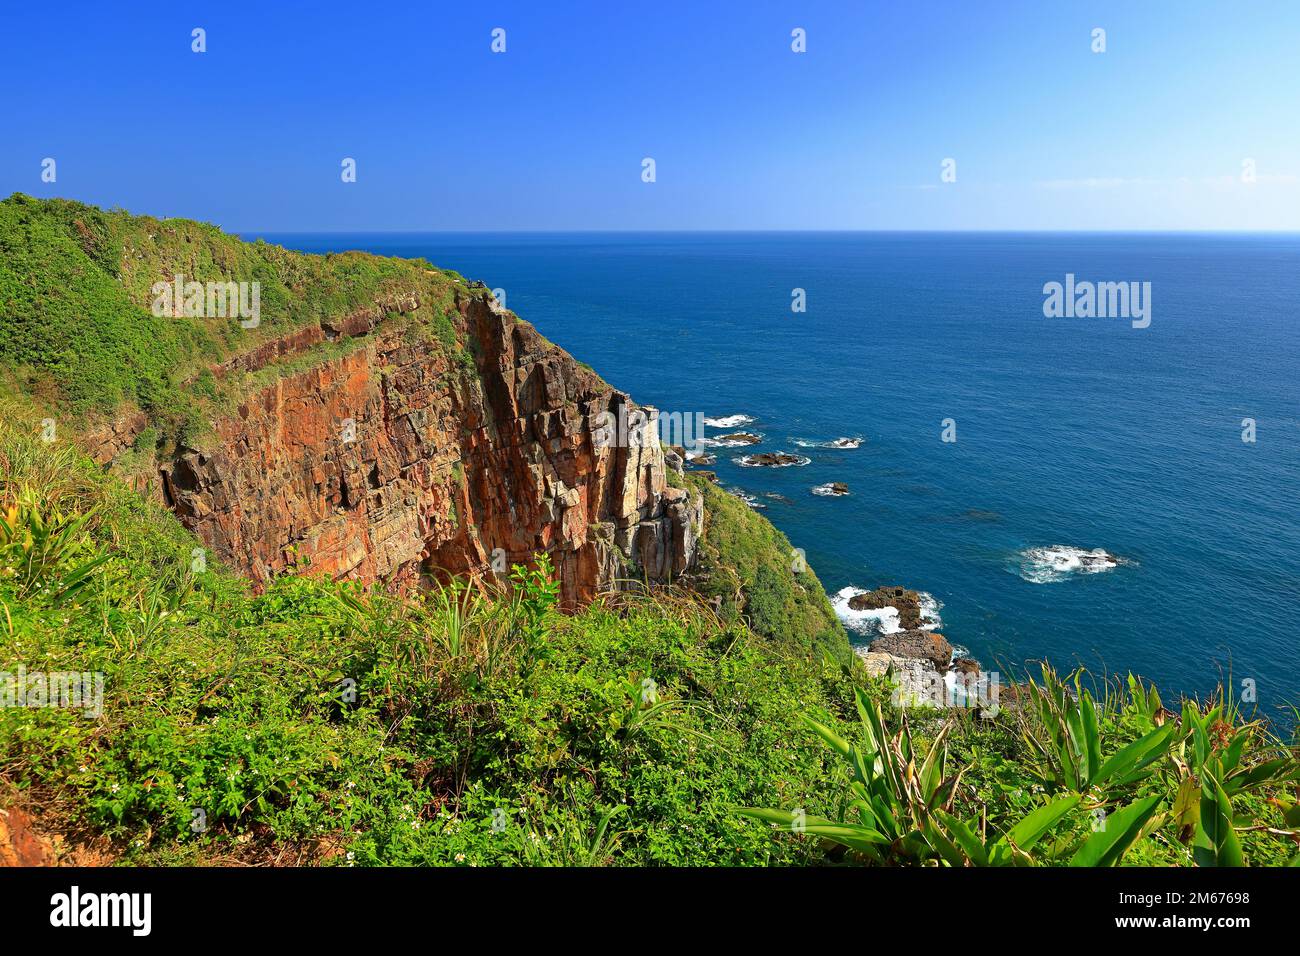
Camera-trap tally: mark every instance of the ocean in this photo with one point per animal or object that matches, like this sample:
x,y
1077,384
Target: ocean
x,y
1071,433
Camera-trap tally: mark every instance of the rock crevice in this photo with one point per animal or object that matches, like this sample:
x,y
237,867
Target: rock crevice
x,y
402,461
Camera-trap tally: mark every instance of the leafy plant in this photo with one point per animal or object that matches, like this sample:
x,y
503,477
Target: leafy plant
x,y
899,811
38,540
535,597
1066,739
1210,771
902,806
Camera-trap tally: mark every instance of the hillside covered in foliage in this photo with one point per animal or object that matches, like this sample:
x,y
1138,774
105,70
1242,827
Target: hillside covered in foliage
x,y
302,720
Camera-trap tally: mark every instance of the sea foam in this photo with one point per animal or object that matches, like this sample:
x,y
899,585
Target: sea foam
x,y
833,443
723,442
751,461
729,421
828,491
1060,562
884,620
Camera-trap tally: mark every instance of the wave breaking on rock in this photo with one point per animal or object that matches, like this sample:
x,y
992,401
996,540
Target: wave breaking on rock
x,y
772,459
833,443
734,440
1060,562
832,489
729,421
887,610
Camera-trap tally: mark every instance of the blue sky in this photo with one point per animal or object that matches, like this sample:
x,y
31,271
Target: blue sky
x,y
745,133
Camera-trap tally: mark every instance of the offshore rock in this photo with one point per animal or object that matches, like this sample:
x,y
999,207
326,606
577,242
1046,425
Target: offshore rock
x,y
903,600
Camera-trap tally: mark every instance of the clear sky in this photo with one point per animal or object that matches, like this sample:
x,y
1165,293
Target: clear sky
x,y
745,133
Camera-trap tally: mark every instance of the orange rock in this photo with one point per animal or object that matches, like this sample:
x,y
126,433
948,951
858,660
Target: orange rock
x,y
20,845
396,462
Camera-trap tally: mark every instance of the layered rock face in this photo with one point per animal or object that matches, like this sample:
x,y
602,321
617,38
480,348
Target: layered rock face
x,y
397,463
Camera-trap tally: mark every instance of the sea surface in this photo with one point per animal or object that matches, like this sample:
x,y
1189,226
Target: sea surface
x,y
1072,434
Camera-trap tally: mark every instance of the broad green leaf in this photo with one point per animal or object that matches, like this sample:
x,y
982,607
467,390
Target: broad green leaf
x,y
1216,842
1141,752
1292,815
836,742
858,838
1028,831
1091,740
1108,845
1281,770
942,844
965,837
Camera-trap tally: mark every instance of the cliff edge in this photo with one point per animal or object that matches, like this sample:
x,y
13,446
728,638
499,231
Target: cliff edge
x,y
351,415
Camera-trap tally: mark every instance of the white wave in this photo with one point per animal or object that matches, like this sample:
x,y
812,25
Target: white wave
x,y
930,619
729,421
828,491
882,620
724,442
887,620
750,461
1060,562
833,443
748,499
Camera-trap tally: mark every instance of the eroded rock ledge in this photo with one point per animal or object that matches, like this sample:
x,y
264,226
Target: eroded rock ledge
x,y
399,461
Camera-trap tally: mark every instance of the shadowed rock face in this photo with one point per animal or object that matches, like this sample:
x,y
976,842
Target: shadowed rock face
x,y
395,462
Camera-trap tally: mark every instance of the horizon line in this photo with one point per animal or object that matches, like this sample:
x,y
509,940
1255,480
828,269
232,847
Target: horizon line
x,y
588,232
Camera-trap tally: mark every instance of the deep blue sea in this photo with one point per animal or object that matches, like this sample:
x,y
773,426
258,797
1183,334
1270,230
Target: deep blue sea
x,y
1081,433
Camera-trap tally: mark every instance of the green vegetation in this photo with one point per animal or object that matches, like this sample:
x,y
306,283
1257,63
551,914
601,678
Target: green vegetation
x,y
624,734
752,569
327,723
1094,781
79,329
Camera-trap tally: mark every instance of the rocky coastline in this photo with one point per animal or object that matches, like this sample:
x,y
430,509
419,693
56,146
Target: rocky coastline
x,y
922,662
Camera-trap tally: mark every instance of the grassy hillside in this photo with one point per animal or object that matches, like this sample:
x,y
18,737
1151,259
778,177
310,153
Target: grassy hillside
x,y
78,325
322,723
752,569
467,710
